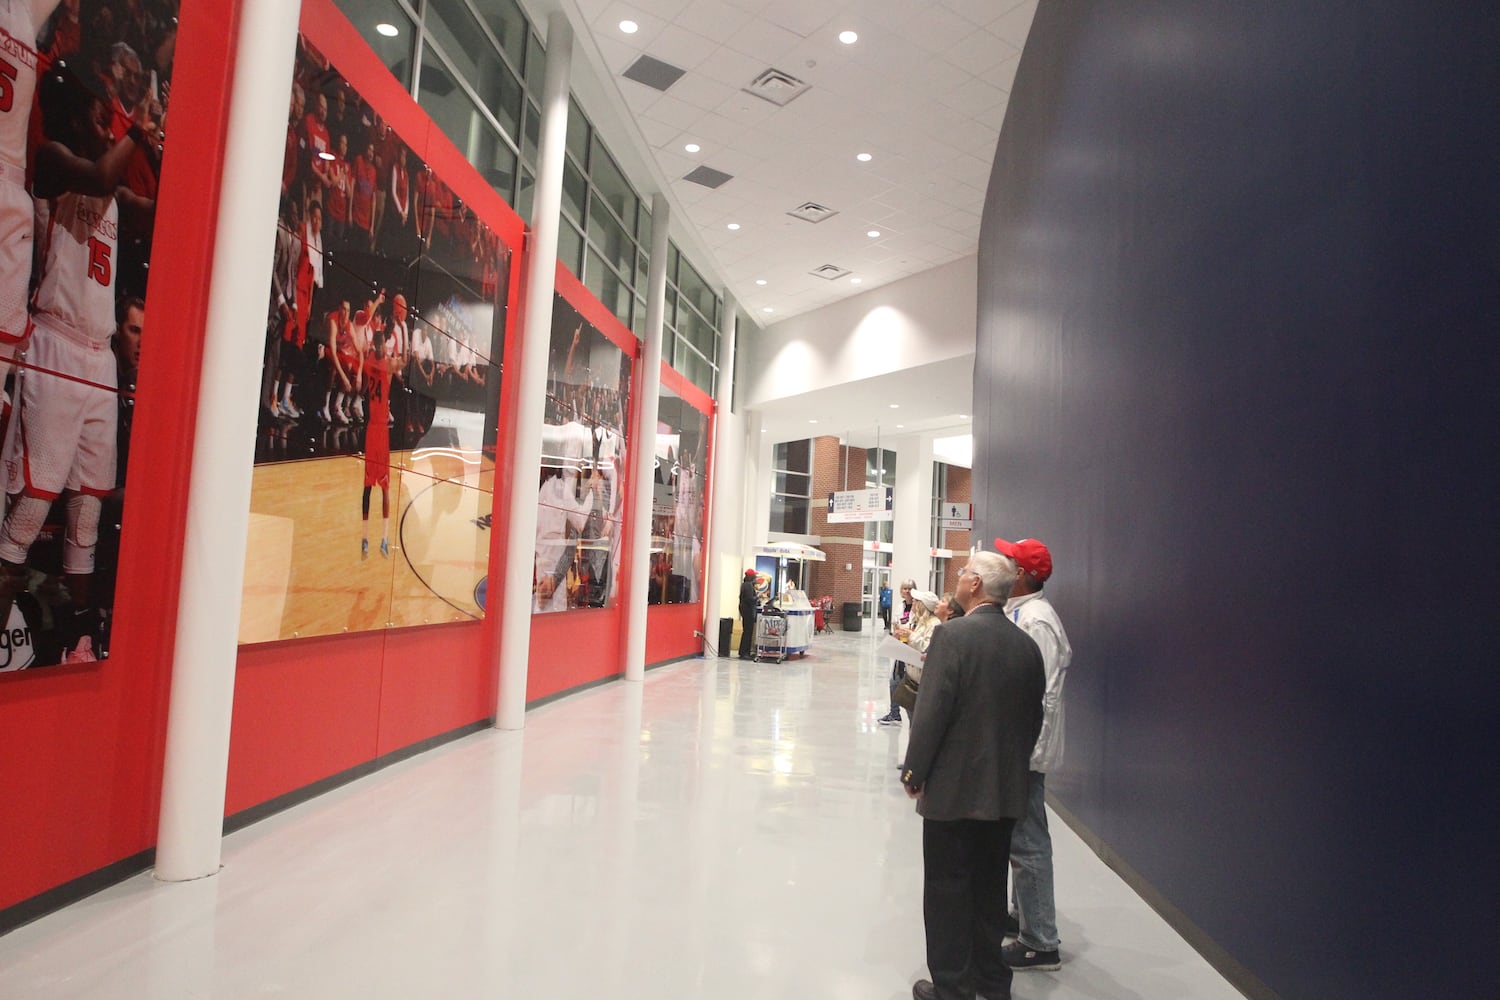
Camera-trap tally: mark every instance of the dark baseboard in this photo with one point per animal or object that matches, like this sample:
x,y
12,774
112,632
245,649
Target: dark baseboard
x,y
1213,953
82,887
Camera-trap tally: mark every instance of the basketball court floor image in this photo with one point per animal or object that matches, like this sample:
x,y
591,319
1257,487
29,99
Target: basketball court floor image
x,y
726,830
306,573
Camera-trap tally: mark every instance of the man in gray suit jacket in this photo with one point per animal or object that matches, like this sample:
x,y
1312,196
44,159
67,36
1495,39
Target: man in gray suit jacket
x,y
978,714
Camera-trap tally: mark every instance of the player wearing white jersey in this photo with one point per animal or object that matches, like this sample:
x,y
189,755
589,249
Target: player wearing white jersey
x,y
20,20
64,440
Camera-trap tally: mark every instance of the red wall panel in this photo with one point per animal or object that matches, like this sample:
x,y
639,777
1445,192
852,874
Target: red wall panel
x,y
81,748
669,631
572,648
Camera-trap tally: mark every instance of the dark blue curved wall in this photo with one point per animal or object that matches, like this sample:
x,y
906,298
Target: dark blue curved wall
x,y
1239,363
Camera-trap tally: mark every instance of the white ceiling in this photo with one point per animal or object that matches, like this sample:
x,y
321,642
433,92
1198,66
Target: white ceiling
x,y
923,90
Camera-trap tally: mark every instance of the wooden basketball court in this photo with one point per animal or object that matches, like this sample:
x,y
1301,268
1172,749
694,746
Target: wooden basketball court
x,y
304,575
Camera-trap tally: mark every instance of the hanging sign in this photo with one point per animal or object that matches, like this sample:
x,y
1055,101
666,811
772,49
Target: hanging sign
x,y
956,516
860,505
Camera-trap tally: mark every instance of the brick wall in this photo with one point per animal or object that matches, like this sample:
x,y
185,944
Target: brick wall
x,y
960,490
830,578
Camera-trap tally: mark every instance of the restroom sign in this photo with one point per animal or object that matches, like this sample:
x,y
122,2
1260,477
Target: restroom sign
x,y
956,516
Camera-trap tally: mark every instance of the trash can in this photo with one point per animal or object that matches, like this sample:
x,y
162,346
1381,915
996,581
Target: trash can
x,y
726,636
852,622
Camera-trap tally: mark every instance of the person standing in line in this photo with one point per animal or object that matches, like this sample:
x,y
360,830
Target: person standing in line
x,y
977,718
1033,913
749,601
898,669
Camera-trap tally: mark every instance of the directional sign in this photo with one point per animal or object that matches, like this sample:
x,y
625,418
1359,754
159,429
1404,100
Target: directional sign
x,y
956,516
861,505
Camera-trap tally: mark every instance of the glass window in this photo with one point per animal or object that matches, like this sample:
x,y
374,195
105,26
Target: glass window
x,y
697,369
536,66
694,289
789,514
453,26
445,102
525,193
495,160
638,319
508,25
796,483
643,227
575,190
532,134
607,287
673,256
500,91
395,51
570,247
610,239
642,270
610,182
578,135
696,331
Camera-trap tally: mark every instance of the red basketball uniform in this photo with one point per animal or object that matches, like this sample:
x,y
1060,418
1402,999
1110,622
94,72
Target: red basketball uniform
x,y
377,431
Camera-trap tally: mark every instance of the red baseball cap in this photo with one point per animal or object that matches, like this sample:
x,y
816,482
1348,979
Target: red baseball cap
x,y
749,572
1029,554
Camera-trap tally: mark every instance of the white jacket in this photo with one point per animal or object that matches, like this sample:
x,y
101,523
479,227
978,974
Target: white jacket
x,y
1037,618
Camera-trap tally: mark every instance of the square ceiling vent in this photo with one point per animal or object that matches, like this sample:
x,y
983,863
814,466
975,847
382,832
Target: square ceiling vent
x,y
830,272
653,73
777,86
811,211
707,176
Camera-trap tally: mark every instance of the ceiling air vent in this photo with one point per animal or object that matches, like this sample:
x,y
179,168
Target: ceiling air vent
x,y
653,73
707,176
831,272
811,211
777,86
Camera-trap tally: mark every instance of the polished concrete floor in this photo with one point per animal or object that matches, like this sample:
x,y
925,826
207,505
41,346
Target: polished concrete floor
x,y
724,830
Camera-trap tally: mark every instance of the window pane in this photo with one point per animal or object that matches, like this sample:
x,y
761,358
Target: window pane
x,y
578,135
533,134
799,455
495,160
610,239
793,484
610,182
697,331
450,23
448,106
509,26
394,52
789,514
695,289
642,270
525,194
570,247
607,287
643,227
673,256
536,66
500,91
574,190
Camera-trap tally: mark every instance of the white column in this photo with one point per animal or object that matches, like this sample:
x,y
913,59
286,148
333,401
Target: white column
x,y
643,461
720,556
190,828
757,490
911,534
531,392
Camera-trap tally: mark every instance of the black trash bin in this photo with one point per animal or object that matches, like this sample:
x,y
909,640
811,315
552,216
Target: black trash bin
x,y
726,635
852,621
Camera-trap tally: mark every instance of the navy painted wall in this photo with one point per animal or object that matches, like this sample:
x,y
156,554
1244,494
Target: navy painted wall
x,y
1238,363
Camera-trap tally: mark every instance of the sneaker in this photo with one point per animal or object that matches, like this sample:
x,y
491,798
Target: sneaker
x,y
1024,959
894,719
364,548
291,411
385,547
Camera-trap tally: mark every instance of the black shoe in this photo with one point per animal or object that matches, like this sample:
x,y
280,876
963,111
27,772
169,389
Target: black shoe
x,y
894,719
923,989
1023,959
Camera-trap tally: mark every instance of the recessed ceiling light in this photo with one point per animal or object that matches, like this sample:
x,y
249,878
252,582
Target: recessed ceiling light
x,y
629,27
864,157
873,234
895,406
734,225
766,309
760,281
848,37
900,426
812,421
856,281
692,147
388,30
963,416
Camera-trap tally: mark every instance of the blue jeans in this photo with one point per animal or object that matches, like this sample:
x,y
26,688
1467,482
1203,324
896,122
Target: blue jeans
x,y
1031,870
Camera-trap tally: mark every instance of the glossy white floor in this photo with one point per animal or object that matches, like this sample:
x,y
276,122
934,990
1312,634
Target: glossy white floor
x,y
724,830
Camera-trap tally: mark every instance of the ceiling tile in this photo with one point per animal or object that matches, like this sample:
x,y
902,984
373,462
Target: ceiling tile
x,y
712,19
797,16
765,42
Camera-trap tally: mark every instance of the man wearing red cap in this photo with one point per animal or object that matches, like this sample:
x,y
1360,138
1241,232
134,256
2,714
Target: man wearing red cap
x,y
1033,906
749,603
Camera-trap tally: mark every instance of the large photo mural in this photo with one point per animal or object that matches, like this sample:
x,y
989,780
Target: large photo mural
x,y
380,386
85,90
581,495
677,507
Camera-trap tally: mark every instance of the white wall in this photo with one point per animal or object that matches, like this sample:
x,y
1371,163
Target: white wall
x,y
916,321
